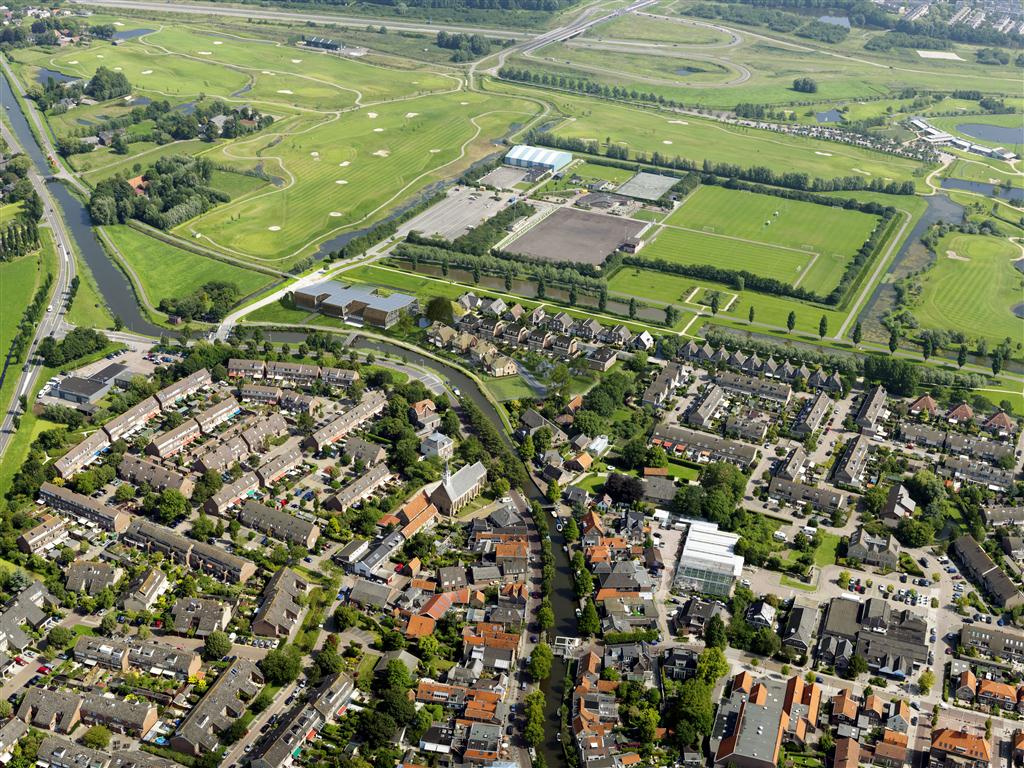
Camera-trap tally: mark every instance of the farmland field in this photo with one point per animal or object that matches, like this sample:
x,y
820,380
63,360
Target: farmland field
x,y
169,272
975,290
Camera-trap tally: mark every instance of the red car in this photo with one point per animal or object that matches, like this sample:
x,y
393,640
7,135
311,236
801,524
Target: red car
x,y
43,670
19,661
398,568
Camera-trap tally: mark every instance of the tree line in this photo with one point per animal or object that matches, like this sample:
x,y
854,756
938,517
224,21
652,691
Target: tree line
x,y
210,302
18,238
78,343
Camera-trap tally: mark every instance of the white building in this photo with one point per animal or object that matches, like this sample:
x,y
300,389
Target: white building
x,y
708,563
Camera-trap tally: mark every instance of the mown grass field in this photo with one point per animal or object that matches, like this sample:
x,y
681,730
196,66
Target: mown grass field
x,y
977,296
646,29
344,172
660,288
169,272
698,139
833,233
682,246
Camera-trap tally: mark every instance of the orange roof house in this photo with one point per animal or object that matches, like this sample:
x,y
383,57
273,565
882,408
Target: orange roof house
x,y
847,754
844,706
960,744
420,626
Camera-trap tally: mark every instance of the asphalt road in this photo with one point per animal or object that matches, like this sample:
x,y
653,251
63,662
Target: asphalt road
x,y
53,321
201,9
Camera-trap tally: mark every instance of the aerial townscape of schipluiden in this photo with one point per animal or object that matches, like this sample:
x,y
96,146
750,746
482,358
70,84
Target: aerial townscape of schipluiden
x,y
519,384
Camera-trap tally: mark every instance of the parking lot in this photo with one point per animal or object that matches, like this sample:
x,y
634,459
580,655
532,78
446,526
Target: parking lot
x,y
463,209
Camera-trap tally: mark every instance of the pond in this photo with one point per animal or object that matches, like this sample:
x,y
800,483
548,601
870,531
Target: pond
x,y
829,116
44,75
997,134
131,34
982,188
839,21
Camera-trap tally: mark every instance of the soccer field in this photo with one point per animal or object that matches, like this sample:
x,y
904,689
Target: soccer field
x,y
973,288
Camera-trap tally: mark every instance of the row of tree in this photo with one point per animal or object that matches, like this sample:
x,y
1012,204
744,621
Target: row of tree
x,y
18,238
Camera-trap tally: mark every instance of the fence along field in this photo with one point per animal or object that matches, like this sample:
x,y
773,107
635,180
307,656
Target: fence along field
x,y
803,243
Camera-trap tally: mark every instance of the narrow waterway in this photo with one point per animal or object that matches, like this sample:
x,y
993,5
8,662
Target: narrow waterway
x,y
112,282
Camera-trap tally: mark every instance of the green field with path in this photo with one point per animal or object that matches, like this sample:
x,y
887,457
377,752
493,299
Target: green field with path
x,y
973,288
169,272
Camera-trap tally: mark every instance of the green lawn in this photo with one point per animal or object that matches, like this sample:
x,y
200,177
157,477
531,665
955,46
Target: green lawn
x,y
236,184
834,233
682,246
974,293
88,308
648,30
166,271
825,554
507,387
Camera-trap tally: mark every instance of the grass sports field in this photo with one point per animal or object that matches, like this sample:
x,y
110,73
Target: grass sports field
x,y
789,240
660,289
346,171
169,272
688,247
976,291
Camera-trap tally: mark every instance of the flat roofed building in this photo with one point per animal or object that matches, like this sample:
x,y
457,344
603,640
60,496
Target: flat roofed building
x,y
83,507
78,390
708,562
139,471
356,302
648,186
278,524
994,641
